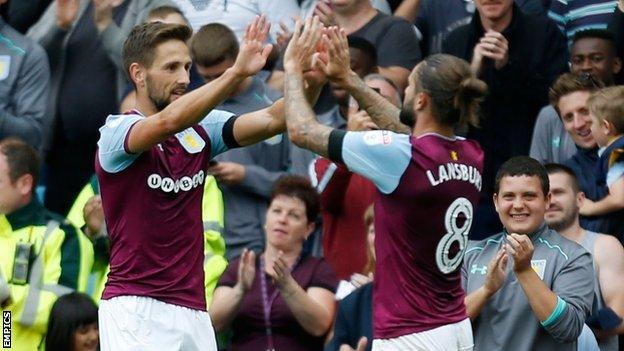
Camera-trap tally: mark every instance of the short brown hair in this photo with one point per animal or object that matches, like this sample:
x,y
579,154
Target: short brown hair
x,y
161,12
142,41
608,104
21,158
569,83
213,44
300,188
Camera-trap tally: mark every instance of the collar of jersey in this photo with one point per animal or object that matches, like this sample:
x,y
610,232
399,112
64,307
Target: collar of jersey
x,y
27,215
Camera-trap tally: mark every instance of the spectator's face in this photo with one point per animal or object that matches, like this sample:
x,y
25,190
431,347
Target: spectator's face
x,y
576,120
599,131
595,56
287,225
386,90
564,202
87,338
494,10
10,192
210,73
521,204
361,65
168,77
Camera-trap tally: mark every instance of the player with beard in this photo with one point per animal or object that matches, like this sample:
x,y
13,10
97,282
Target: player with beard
x,y
607,253
151,166
427,182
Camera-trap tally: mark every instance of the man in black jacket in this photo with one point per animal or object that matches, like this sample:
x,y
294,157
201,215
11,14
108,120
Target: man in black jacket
x,y
518,56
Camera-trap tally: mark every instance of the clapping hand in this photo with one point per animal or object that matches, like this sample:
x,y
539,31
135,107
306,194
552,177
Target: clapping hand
x,y
520,247
93,215
496,272
246,271
492,45
253,52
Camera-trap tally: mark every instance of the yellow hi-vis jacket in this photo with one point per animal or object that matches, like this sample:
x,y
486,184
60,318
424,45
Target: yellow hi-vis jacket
x,y
59,262
214,245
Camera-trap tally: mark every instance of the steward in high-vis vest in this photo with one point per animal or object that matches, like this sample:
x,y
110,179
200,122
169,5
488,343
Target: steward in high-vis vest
x,y
42,256
88,206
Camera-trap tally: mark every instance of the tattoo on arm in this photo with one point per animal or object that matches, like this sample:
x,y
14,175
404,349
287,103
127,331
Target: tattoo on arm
x,y
382,111
305,131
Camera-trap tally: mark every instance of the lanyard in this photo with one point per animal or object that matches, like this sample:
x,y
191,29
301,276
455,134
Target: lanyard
x,y
266,306
267,302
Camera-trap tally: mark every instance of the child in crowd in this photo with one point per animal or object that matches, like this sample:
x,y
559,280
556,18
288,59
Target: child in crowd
x,y
607,111
73,324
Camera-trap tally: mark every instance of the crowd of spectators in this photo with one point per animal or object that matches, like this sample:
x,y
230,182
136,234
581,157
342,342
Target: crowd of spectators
x,y
553,71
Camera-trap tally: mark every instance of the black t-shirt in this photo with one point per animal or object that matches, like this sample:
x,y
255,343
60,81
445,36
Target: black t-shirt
x,y
395,40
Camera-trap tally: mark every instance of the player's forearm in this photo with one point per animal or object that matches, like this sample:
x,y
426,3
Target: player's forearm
x,y
541,299
311,315
303,128
382,111
225,305
475,301
192,107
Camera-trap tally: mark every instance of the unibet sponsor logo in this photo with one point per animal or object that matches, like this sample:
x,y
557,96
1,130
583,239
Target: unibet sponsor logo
x,y
166,184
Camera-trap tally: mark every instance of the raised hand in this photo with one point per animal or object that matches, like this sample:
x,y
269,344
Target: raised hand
x,y
337,65
103,12
66,13
496,272
303,45
520,247
253,52
246,270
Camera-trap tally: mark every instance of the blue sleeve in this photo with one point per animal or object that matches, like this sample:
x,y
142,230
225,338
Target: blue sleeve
x,y
378,155
616,171
112,151
213,124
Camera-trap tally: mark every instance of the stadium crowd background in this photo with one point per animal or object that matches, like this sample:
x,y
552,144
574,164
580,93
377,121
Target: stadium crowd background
x,y
62,74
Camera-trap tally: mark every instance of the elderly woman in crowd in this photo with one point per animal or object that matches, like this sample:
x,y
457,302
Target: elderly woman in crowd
x,y
282,299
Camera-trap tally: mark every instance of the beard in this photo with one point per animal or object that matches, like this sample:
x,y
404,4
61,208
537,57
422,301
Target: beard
x,y
564,222
159,101
407,115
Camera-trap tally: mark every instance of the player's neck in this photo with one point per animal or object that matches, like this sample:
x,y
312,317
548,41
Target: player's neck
x,y
574,232
145,105
427,127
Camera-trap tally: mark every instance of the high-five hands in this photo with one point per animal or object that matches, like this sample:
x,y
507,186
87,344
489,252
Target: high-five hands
x,y
253,52
303,45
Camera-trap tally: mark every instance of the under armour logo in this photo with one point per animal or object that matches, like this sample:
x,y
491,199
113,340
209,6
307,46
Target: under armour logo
x,y
475,268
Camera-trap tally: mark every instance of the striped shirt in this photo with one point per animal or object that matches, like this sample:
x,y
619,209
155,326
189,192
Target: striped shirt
x,y
574,16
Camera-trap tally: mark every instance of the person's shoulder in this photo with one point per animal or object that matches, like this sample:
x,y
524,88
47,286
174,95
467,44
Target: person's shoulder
x,y
561,246
607,246
114,121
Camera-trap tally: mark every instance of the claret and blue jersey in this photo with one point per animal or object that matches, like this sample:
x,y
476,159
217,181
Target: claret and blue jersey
x,y
152,202
427,187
